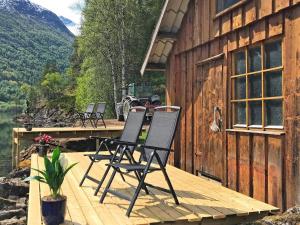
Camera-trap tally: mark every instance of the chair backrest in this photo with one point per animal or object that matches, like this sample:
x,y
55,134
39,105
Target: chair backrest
x,y
101,108
133,125
162,131
90,108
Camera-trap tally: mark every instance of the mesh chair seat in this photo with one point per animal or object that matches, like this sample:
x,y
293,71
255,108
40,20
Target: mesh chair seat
x,y
130,167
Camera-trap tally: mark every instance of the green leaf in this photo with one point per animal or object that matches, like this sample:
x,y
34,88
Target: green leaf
x,y
37,178
68,169
55,155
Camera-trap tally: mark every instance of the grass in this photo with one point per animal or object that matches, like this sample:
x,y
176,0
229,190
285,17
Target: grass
x,y
143,136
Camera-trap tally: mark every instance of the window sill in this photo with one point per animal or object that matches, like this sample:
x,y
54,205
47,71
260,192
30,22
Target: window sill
x,y
229,9
267,132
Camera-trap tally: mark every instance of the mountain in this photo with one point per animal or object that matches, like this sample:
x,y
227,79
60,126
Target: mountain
x,y
67,21
30,37
73,27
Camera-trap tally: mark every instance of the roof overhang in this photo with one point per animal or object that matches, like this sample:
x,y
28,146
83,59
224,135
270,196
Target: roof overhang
x,y
164,35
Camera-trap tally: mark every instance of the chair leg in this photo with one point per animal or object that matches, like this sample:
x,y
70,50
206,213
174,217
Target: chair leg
x,y
141,183
102,180
103,121
108,186
136,194
86,173
170,186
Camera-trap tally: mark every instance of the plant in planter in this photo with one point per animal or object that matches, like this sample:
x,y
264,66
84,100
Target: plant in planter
x,y
43,146
28,124
53,206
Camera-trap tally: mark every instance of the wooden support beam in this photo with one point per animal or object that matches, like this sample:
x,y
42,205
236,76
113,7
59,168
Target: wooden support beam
x,y
156,67
166,36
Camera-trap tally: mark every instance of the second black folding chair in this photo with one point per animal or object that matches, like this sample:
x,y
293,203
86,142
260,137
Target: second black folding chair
x,y
154,157
131,131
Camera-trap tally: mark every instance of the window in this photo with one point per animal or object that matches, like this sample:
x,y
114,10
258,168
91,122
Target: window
x,y
224,4
257,86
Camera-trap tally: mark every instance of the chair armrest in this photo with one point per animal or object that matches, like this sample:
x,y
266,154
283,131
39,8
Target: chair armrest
x,y
101,138
155,148
124,142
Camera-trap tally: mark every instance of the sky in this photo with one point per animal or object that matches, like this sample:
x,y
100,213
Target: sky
x,y
70,9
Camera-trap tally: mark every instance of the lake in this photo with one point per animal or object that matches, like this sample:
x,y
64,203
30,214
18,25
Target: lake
x,y
6,125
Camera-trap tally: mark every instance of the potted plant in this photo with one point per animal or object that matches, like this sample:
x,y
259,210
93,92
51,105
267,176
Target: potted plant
x,y
53,207
43,145
28,124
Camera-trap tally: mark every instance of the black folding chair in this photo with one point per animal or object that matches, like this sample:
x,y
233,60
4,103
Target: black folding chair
x,y
156,150
131,131
87,115
99,114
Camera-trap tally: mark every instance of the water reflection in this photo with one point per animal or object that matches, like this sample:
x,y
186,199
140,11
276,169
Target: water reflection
x,y
6,125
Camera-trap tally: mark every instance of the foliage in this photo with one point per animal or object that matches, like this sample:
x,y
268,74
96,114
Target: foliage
x,y
111,48
26,46
54,173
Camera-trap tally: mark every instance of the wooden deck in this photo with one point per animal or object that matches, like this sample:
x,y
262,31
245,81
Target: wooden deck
x,y
201,201
20,134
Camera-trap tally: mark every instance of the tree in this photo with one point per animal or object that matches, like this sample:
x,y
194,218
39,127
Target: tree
x,y
114,38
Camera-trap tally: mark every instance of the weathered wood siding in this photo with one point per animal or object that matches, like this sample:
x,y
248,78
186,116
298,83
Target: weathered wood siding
x,y
264,166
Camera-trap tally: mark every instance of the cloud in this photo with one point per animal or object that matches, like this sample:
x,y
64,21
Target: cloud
x,y
70,9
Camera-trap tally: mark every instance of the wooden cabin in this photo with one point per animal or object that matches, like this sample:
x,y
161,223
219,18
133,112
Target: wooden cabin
x,y
240,60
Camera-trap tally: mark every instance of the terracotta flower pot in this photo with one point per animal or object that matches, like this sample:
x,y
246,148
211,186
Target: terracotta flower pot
x,y
53,210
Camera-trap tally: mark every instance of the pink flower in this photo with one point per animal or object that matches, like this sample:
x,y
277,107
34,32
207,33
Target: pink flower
x,y
43,139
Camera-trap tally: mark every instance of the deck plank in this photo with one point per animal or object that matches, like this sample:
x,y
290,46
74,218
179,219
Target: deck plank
x,y
200,200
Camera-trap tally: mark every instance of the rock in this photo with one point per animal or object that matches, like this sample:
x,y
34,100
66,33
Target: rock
x,y
8,214
21,173
14,221
13,187
7,203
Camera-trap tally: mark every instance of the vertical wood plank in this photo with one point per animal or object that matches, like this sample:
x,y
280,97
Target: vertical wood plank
x,y
250,12
275,24
264,8
237,21
274,171
232,161
189,114
258,31
259,158
244,164
280,4
226,23
183,114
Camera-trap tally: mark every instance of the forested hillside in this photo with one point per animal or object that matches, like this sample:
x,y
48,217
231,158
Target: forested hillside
x,y
30,37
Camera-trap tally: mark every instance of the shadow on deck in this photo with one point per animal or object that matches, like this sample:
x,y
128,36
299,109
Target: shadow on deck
x,y
201,201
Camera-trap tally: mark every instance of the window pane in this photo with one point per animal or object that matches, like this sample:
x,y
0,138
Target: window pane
x,y
274,113
240,87
223,4
273,84
255,113
240,63
255,59
255,86
273,55
219,5
240,113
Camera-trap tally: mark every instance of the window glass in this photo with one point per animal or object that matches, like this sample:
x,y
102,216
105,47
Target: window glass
x,y
255,59
273,83
255,113
273,57
224,4
274,112
240,63
240,87
255,86
240,111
